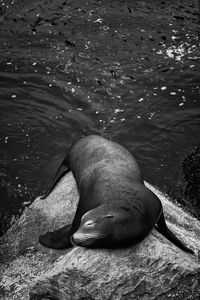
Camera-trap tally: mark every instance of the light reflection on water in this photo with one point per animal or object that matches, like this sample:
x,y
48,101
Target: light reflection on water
x,y
121,69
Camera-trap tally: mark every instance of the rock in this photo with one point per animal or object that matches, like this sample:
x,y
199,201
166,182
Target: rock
x,y
186,186
191,169
152,269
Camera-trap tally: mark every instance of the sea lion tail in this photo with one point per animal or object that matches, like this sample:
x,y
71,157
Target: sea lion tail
x,y
166,232
62,170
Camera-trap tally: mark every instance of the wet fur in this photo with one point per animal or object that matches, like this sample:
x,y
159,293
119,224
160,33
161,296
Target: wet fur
x,y
109,178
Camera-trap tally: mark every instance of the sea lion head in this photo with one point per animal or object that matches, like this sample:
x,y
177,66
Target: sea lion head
x,y
104,226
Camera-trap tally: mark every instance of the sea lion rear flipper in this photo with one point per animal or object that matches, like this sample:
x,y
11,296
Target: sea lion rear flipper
x,y
164,230
58,239
63,169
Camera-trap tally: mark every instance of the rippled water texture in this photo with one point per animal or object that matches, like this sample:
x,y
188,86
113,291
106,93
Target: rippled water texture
x,y
128,70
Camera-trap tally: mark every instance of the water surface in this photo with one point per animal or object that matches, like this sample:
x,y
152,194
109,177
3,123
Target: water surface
x,y
128,70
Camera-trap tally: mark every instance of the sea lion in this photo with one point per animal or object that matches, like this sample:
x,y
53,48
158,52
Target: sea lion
x,y
115,207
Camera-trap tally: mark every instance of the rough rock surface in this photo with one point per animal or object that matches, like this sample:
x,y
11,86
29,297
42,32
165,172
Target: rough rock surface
x,y
153,269
186,188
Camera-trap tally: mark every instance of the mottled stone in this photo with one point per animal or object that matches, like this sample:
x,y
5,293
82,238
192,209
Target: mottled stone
x,y
186,187
152,269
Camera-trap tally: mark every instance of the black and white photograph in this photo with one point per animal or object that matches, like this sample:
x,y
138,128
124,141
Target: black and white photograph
x,y
99,150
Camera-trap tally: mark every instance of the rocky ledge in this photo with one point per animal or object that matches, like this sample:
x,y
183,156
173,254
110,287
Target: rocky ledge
x,y
152,269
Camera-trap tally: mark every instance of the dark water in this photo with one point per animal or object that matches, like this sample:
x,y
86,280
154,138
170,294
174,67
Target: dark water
x,y
129,70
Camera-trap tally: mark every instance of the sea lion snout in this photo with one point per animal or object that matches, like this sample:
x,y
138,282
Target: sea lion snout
x,y
89,233
84,239
72,241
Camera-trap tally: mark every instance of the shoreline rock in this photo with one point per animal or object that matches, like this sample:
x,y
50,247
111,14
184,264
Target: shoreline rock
x,y
186,188
152,269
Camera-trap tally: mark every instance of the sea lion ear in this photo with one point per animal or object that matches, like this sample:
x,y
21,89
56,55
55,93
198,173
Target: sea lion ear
x,y
109,216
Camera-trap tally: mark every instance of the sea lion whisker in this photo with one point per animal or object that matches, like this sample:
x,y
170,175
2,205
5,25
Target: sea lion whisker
x,y
89,236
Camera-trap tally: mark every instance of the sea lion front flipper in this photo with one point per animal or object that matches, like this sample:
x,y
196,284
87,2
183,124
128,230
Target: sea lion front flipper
x,y
63,169
57,239
164,230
